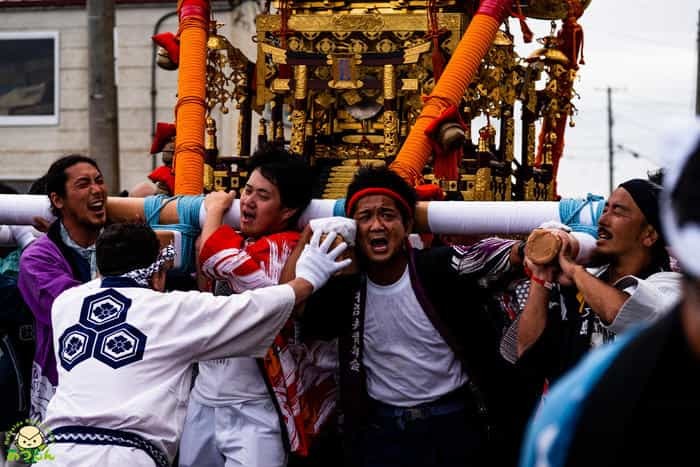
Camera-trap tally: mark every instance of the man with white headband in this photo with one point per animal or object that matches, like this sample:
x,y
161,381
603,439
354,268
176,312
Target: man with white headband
x,y
635,402
125,350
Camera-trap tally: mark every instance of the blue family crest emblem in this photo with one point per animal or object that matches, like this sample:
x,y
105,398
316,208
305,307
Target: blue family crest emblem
x,y
103,333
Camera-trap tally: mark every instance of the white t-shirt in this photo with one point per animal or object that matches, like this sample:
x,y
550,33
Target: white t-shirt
x,y
407,360
229,380
131,369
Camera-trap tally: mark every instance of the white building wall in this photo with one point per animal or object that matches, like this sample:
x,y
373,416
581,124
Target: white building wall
x,y
27,151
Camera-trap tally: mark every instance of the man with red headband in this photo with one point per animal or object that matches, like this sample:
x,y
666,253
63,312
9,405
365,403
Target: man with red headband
x,y
418,355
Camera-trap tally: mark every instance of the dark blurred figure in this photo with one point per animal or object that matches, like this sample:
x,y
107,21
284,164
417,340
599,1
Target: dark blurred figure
x,y
16,339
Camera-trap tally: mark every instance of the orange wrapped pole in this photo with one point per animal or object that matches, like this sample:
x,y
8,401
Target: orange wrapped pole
x,y
451,86
191,88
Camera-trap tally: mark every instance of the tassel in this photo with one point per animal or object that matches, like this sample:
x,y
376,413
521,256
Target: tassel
x,y
524,28
445,160
438,59
434,33
527,32
571,35
445,165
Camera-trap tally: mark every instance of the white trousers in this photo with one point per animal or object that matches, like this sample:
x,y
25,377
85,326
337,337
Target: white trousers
x,y
243,434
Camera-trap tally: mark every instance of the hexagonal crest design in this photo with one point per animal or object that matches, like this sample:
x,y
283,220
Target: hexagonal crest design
x,y
75,345
120,346
104,310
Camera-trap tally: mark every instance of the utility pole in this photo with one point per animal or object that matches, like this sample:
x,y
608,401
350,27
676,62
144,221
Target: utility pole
x,y
611,151
102,103
611,147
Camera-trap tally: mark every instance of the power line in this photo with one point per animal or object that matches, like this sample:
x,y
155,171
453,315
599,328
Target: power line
x,y
635,154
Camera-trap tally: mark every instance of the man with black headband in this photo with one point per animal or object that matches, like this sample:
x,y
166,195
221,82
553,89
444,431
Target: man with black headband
x,y
125,350
417,352
629,281
635,402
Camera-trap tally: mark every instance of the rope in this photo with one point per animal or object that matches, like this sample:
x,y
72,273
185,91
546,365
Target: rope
x,y
190,100
569,210
339,208
188,214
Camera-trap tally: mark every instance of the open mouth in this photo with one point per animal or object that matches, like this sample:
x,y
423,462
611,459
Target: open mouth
x,y
247,216
379,245
604,234
97,206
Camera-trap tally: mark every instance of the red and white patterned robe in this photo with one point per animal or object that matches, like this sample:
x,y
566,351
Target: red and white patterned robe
x,y
302,375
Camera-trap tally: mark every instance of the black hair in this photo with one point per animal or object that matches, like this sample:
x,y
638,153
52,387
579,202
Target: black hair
x,y
384,177
685,197
645,195
56,177
123,247
290,174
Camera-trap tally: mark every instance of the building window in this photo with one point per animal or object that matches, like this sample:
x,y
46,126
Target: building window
x,y
28,78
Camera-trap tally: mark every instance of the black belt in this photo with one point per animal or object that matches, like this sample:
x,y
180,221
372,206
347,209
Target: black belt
x,y
452,402
76,434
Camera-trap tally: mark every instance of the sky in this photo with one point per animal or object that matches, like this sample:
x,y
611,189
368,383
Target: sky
x,y
646,51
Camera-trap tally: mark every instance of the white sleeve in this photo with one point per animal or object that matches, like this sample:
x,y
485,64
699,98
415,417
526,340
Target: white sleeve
x,y
239,325
648,299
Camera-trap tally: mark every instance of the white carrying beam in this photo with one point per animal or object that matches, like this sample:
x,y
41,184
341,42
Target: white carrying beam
x,y
441,217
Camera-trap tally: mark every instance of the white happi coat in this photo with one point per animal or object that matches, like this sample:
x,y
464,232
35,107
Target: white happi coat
x,y
125,358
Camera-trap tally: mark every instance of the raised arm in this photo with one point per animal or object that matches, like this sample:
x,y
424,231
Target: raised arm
x,y
533,320
531,323
604,299
222,256
217,203
245,324
288,271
